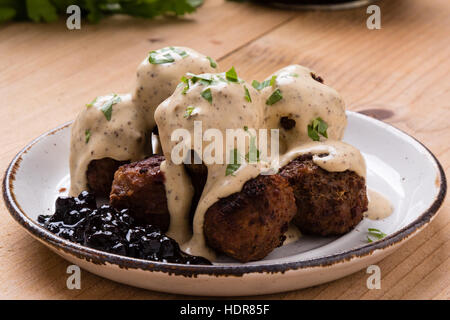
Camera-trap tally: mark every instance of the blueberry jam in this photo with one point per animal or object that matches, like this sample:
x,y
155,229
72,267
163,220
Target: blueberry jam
x,y
108,229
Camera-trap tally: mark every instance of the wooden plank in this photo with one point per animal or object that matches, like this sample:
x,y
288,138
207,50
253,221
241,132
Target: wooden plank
x,y
402,68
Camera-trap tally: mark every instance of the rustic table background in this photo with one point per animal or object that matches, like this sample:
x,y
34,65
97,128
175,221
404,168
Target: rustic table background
x,y
47,73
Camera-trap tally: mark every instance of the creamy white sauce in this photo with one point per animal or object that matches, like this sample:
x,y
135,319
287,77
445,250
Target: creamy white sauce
x,y
160,99
156,82
178,200
127,135
292,235
123,137
379,206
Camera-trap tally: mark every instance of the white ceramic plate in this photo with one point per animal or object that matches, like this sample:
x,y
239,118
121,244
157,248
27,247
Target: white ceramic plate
x,y
399,167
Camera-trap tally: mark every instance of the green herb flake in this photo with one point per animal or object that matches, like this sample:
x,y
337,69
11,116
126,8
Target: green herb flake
x,y
106,108
88,105
253,153
166,58
295,75
245,128
375,233
212,63
266,83
186,82
274,97
247,94
87,135
231,75
207,95
235,165
203,79
180,52
272,80
316,127
189,111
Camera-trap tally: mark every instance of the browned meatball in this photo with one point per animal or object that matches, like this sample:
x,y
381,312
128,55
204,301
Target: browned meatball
x,y
139,186
328,203
100,175
248,225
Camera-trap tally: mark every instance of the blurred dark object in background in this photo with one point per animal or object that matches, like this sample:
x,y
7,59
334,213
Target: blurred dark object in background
x,y
316,4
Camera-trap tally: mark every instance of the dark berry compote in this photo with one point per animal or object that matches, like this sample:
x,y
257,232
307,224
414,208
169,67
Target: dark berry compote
x,y
108,229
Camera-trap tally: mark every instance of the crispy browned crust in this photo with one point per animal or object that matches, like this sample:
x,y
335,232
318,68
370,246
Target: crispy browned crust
x,y
249,224
328,203
100,175
139,186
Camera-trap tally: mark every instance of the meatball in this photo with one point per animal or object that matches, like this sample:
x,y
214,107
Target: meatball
x,y
249,224
328,203
139,186
100,175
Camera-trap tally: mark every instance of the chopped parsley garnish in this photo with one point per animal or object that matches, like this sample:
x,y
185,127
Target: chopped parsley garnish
x,y
295,75
247,94
232,167
207,95
266,83
317,126
156,58
231,75
186,82
166,58
274,97
253,152
212,63
204,79
189,111
106,108
92,103
182,53
87,135
375,233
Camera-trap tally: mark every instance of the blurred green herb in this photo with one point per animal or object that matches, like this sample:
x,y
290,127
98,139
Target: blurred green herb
x,y
316,127
235,162
93,10
106,108
207,95
87,135
375,233
274,97
212,63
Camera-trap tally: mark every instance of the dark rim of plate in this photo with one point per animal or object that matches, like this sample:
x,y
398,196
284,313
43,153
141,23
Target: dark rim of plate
x,y
100,257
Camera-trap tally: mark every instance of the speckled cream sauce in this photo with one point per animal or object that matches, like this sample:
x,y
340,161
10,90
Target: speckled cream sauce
x,y
123,137
379,207
229,109
156,82
126,135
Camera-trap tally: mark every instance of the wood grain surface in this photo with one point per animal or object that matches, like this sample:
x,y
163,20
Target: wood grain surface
x,y
400,73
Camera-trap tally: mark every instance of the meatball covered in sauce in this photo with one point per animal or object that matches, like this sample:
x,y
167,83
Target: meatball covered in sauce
x,y
328,203
139,186
249,224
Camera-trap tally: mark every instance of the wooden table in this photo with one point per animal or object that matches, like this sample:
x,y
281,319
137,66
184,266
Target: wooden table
x,y
48,73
